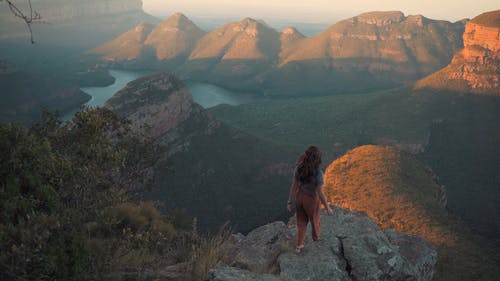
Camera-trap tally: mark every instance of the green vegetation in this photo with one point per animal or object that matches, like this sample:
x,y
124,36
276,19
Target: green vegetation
x,y
335,123
223,174
454,134
67,210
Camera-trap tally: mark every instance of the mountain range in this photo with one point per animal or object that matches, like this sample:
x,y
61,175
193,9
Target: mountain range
x,y
381,49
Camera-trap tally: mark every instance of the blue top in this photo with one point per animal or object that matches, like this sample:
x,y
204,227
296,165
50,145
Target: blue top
x,y
311,187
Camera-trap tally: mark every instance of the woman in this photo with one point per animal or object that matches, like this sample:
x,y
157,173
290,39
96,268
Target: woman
x,y
306,187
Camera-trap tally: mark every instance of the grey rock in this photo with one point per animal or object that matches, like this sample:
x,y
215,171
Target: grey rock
x,y
259,250
352,247
226,273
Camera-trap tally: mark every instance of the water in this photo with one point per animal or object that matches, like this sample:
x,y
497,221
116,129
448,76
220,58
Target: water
x,y
209,95
101,94
205,94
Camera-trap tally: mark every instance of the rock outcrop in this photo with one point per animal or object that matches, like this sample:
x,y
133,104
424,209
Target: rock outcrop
x,y
476,68
155,104
398,192
71,10
352,247
84,24
57,10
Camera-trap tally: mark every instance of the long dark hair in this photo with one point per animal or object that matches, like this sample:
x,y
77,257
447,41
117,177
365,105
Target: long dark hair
x,y
308,164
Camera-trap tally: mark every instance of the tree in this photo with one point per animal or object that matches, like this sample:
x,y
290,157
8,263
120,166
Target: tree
x,y
30,17
58,179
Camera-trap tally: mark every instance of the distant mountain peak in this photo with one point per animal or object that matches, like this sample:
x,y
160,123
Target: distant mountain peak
x,y
291,31
175,37
381,18
178,20
143,26
248,20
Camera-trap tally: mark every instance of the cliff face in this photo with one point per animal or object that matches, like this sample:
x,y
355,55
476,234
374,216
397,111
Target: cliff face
x,y
75,23
57,10
389,37
154,104
476,68
352,247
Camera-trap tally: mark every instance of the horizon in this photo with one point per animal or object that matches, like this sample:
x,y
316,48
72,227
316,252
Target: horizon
x,y
317,11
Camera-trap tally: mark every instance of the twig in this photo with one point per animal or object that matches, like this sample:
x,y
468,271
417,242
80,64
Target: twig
x,y
33,17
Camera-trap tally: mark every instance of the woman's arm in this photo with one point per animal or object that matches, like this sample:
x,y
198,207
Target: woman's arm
x,y
291,195
323,200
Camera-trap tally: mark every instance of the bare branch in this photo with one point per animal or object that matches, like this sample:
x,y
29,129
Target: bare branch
x,y
29,19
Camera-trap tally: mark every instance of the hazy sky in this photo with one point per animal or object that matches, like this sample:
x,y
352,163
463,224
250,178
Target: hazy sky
x,y
318,10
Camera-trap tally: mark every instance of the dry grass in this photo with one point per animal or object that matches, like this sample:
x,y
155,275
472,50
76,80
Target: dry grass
x,y
399,192
208,253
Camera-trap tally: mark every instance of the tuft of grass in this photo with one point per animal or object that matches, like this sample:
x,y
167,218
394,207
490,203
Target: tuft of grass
x,y
208,253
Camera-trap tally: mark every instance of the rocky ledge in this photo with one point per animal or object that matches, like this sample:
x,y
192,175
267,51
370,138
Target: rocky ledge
x,y
352,247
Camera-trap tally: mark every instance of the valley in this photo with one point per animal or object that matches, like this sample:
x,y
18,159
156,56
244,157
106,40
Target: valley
x,y
404,108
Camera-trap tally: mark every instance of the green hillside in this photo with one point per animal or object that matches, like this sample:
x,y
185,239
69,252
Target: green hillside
x,y
456,135
224,175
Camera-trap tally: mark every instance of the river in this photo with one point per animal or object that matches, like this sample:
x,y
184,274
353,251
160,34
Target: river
x,y
205,94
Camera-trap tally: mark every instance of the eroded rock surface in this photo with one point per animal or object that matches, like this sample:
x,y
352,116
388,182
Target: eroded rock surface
x,y
352,247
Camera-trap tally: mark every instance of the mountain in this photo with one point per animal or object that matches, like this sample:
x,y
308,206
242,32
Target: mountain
x,y
234,54
128,46
170,42
476,68
400,193
212,170
290,38
72,23
174,38
371,50
246,39
388,38
352,247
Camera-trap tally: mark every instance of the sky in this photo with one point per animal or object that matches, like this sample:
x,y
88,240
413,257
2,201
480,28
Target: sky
x,y
317,11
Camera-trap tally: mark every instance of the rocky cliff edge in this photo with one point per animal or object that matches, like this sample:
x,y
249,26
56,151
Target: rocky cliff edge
x,y
352,247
